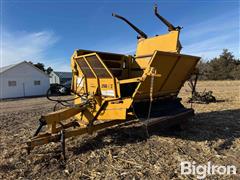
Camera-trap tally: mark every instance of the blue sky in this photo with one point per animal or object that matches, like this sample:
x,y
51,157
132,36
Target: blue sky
x,y
49,31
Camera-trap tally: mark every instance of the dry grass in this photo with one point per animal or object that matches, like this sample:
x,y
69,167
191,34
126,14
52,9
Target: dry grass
x,y
213,135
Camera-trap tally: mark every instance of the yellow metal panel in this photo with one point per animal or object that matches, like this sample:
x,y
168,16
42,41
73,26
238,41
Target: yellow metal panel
x,y
163,64
174,70
142,62
179,74
113,114
167,42
116,110
92,85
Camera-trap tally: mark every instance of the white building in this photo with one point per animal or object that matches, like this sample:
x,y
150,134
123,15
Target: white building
x,y
22,80
60,77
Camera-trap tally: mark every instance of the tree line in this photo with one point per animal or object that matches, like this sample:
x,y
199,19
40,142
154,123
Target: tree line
x,y
224,67
42,67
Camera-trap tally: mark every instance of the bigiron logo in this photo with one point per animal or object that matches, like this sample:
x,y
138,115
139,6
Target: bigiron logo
x,y
203,170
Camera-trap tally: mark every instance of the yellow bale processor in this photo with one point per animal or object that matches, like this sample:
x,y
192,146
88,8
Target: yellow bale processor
x,y
111,88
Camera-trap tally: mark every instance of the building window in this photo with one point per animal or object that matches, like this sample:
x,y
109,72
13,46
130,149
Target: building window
x,y
36,83
12,83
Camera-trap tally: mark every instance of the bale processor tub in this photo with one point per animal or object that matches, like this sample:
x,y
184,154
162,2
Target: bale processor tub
x,y
112,89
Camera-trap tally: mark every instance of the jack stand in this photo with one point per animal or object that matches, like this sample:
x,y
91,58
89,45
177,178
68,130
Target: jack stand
x,y
62,140
146,130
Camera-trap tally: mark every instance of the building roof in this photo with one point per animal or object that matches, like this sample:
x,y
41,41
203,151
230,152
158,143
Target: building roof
x,y
67,75
6,68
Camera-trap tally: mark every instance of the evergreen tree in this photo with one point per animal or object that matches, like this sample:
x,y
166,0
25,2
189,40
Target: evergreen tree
x,y
41,66
224,67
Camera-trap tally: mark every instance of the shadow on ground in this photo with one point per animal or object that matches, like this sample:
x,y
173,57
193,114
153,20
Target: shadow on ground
x,y
207,126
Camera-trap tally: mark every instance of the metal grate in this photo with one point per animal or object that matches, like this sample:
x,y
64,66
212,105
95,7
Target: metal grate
x,y
98,67
85,69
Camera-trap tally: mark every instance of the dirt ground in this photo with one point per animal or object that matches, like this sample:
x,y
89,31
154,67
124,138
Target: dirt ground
x,y
212,135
